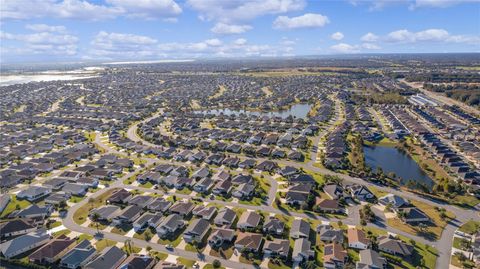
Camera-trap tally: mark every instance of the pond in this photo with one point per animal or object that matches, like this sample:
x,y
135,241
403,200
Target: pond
x,y
297,110
391,159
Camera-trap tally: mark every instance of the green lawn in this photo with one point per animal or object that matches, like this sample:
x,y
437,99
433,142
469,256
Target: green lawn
x,y
147,234
103,243
122,229
470,227
210,266
81,214
433,231
84,237
13,205
188,263
225,252
458,243
422,251
62,232
147,185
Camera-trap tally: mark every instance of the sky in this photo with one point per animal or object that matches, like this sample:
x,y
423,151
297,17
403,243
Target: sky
x,y
123,30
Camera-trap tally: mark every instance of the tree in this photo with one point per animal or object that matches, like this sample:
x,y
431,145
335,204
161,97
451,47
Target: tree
x,y
216,263
95,218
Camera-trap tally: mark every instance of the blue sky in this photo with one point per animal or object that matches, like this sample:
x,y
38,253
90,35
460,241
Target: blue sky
x,y
82,30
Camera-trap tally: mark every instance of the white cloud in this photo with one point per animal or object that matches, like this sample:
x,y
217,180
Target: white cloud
x,y
370,46
121,46
229,11
440,3
369,37
344,48
306,20
85,10
71,9
47,43
288,42
240,41
429,35
223,28
107,39
213,42
337,36
46,28
147,9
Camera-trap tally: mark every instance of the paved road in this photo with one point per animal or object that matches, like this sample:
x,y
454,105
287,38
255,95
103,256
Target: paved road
x,y
443,245
70,224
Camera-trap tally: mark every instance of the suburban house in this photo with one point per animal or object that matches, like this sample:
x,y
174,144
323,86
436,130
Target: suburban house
x,y
302,250
357,239
75,189
159,205
33,193
249,220
248,241
328,234
204,212
370,259
80,255
196,231
334,256
300,229
169,225
220,236
182,208
394,201
225,217
15,227
413,215
273,226
53,250
136,261
109,258
106,212
329,206
142,222
360,192
243,191
4,200
128,215
24,243
394,246
119,197
34,211
277,248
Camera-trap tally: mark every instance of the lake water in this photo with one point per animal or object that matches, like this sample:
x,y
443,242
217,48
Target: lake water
x,y
391,159
296,110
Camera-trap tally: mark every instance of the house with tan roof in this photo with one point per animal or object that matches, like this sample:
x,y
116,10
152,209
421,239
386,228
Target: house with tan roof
x,y
248,241
334,256
357,239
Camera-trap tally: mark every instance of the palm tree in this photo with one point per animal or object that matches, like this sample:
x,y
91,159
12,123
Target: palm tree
x,y
96,217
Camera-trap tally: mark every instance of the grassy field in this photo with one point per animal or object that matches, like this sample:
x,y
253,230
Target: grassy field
x,y
81,214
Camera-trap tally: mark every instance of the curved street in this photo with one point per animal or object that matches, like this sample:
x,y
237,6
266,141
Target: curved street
x,y
443,244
